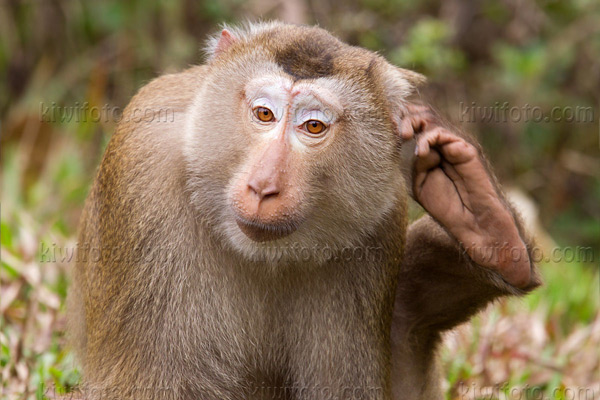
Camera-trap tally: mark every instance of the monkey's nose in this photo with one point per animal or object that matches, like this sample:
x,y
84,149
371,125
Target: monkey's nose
x,y
263,189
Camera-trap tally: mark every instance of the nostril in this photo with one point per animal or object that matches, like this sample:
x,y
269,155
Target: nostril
x,y
263,191
270,191
254,187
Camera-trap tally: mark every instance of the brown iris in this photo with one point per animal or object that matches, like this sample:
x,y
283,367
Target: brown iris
x,y
314,127
264,114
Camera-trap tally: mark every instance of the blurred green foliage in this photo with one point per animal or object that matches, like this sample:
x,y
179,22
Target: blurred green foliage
x,y
427,49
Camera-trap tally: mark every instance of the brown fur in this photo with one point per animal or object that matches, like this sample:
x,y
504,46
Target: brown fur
x,y
172,310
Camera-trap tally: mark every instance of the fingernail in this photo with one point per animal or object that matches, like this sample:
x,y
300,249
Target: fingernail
x,y
417,150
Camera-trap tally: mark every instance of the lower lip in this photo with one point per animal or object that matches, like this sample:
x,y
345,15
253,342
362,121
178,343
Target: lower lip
x,y
264,232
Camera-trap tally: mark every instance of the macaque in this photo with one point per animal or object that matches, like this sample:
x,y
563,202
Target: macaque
x,y
251,239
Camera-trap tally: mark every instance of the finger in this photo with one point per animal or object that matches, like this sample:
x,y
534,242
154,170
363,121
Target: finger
x,y
412,121
427,163
406,129
423,167
420,117
429,139
421,148
452,147
457,151
440,137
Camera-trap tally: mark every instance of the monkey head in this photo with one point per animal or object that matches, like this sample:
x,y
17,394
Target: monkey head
x,y
308,125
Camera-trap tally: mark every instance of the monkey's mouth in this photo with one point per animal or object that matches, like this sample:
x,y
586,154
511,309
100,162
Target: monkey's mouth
x,y
259,231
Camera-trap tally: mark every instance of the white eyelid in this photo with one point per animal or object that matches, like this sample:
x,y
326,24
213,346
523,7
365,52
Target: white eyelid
x,y
307,115
264,102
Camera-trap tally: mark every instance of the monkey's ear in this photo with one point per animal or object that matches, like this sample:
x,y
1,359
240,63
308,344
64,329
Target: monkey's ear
x,y
225,41
218,45
399,84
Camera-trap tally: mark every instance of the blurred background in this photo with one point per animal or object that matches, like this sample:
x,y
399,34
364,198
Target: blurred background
x,y
521,75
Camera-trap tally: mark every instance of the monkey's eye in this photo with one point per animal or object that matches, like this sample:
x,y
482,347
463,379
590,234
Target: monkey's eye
x,y
264,114
314,127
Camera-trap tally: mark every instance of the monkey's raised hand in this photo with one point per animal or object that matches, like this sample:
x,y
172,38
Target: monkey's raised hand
x,y
452,183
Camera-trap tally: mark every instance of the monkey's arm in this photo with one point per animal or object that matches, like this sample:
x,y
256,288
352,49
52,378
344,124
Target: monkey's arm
x,y
472,248
469,250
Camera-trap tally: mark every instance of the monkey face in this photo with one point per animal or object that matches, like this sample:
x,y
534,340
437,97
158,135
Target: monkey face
x,y
311,153
287,123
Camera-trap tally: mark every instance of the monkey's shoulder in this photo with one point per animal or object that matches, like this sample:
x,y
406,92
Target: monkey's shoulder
x,y
171,89
161,104
155,116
